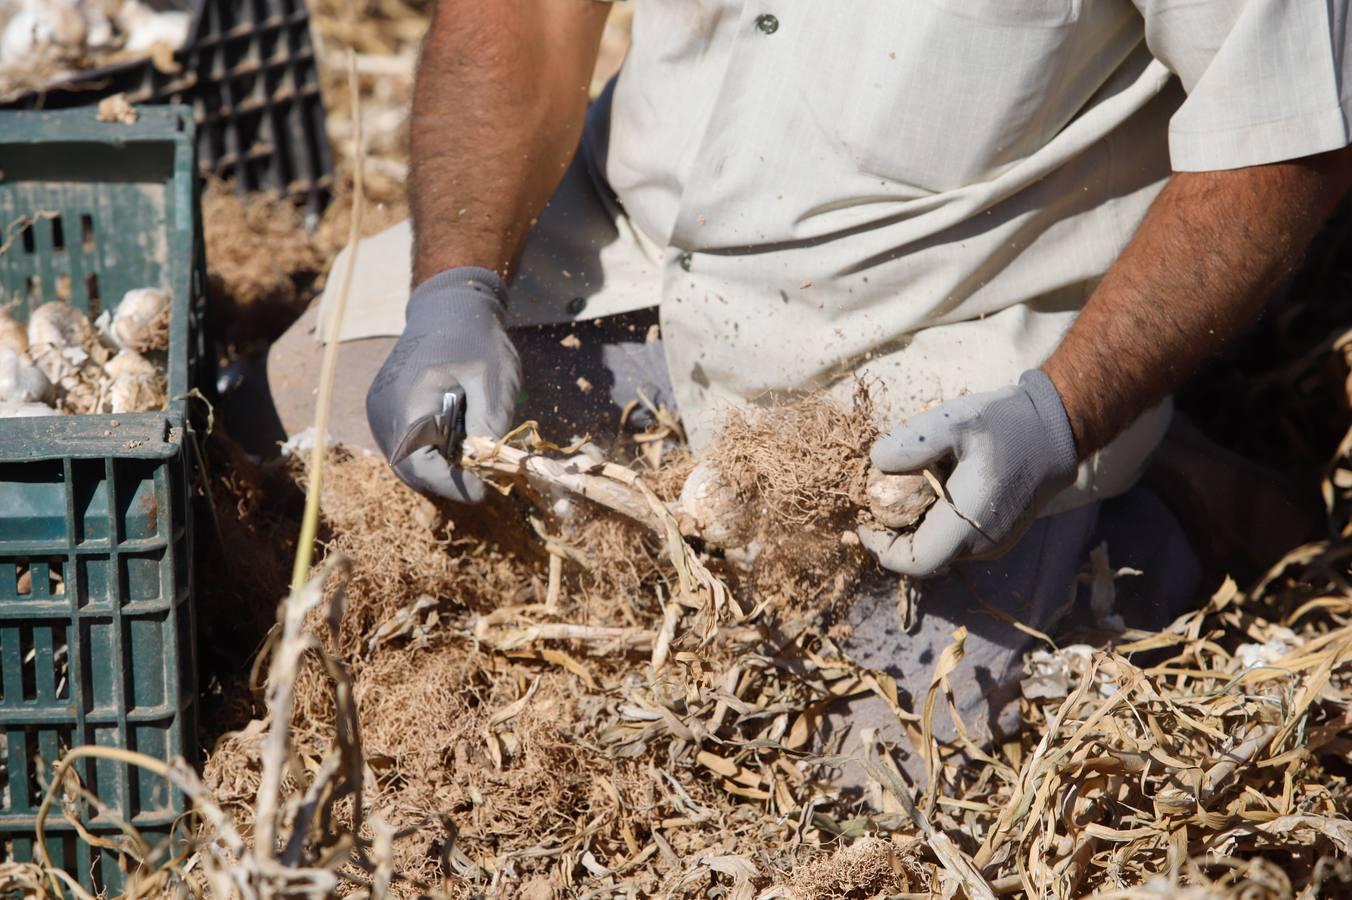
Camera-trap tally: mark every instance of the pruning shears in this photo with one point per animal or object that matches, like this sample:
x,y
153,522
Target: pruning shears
x,y
443,431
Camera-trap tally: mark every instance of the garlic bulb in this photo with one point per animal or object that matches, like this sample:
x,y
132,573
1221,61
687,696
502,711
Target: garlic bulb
x,y
99,31
12,335
145,27
136,393
22,382
136,386
60,325
898,501
43,32
64,345
129,362
53,38
720,517
141,321
69,362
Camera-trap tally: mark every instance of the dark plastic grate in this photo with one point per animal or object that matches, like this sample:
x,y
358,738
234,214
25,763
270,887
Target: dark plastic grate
x,y
248,71
96,615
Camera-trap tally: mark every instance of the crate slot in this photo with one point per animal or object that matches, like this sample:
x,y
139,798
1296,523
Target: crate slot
x,y
149,680
34,508
32,764
98,648
95,580
29,656
86,232
89,490
33,292
141,577
138,505
92,295
60,662
26,238
58,234
44,662
39,579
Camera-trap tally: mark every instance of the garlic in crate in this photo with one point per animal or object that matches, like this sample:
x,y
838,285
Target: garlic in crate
x,y
63,344
43,32
9,410
145,27
136,384
60,325
141,321
22,382
83,371
13,335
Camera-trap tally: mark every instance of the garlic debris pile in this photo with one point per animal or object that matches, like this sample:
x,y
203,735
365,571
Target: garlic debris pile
x,y
63,363
45,40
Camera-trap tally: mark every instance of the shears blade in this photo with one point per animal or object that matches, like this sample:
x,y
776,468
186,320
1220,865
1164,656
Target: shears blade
x,y
443,431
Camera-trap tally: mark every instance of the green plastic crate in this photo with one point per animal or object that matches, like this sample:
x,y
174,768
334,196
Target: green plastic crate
x,y
96,615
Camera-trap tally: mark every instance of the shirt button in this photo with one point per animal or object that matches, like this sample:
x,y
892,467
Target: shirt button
x,y
684,261
767,23
576,305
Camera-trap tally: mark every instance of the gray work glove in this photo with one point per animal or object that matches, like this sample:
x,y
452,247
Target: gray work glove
x,y
1014,452
452,333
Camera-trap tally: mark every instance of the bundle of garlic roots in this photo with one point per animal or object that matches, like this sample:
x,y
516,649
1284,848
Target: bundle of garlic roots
x,y
63,363
52,38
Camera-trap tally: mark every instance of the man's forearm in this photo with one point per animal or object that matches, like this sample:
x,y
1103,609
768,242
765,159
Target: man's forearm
x,y
1207,256
498,105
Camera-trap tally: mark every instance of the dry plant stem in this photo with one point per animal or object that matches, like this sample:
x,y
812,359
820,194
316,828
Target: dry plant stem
x,y
176,773
607,484
14,228
621,490
293,644
309,527
958,864
609,637
555,582
63,768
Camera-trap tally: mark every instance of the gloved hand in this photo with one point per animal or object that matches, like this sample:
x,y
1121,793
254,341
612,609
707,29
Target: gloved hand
x,y
1014,451
453,332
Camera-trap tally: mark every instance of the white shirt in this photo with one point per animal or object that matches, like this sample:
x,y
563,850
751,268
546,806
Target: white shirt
x,y
927,191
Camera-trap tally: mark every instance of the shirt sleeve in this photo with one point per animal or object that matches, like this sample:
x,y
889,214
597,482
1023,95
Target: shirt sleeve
x,y
1267,80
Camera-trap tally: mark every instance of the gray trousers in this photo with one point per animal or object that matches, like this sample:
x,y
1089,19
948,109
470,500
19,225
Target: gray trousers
x,y
1043,582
